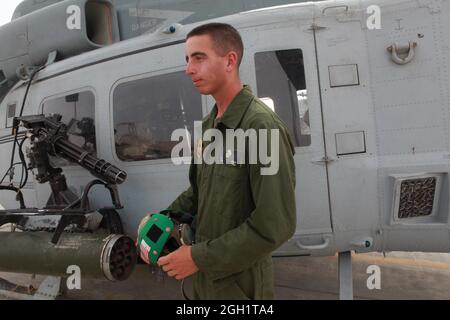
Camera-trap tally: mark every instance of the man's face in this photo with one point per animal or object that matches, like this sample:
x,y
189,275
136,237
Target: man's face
x,y
207,69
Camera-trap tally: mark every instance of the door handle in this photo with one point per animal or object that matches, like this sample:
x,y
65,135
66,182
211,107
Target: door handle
x,y
323,245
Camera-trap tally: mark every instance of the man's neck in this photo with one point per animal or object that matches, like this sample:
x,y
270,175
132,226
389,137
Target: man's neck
x,y
226,96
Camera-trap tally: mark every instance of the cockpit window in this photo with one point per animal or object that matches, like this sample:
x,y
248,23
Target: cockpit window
x,y
147,112
78,113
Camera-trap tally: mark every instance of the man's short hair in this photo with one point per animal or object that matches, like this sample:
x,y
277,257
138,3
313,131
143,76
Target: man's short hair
x,y
225,37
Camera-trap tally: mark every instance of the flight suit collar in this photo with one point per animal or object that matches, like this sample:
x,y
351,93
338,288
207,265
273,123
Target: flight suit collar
x,y
235,111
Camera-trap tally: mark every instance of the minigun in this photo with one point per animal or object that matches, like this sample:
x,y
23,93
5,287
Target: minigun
x,y
48,136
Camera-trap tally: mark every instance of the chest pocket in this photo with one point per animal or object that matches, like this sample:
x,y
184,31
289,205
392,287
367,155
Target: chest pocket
x,y
230,193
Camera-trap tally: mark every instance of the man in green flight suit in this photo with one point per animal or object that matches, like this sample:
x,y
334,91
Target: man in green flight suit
x,y
242,215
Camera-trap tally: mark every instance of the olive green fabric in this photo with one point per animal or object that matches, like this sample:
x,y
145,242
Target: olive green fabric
x,y
242,216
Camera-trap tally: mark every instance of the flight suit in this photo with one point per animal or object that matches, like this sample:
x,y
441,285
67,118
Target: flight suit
x,y
242,216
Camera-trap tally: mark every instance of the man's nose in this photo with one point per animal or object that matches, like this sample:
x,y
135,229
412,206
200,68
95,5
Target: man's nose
x,y
189,69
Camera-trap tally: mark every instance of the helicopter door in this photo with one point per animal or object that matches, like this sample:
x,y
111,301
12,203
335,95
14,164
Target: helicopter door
x,y
286,80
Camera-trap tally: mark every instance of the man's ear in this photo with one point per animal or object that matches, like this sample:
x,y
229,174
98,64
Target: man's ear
x,y
232,60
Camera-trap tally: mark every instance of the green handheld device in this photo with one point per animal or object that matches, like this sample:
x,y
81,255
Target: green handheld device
x,y
164,232
154,236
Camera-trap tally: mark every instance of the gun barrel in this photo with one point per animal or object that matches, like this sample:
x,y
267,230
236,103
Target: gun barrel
x,y
100,168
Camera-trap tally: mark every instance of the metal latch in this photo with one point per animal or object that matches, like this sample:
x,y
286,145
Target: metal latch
x,y
323,160
345,7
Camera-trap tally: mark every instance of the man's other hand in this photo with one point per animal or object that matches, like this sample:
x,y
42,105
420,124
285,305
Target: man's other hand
x,y
179,264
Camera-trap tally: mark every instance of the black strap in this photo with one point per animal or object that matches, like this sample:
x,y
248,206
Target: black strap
x,y
183,292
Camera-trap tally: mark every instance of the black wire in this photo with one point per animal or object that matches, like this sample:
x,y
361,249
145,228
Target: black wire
x,y
22,158
21,177
18,192
15,164
28,88
16,129
24,165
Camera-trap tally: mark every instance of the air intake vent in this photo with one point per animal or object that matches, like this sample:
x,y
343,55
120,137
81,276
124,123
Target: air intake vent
x,y
99,22
417,197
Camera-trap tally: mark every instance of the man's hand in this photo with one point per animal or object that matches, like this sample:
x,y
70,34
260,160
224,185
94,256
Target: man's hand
x,y
179,264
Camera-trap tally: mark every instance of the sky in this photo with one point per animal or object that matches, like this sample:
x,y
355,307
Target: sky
x,y
6,10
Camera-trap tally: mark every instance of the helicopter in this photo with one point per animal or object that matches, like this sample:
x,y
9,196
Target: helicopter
x,y
361,85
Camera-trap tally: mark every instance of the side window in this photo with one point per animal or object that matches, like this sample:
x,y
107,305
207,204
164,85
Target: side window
x,y
281,85
147,111
78,113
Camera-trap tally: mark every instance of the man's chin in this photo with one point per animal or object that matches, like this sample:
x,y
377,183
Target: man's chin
x,y
203,91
